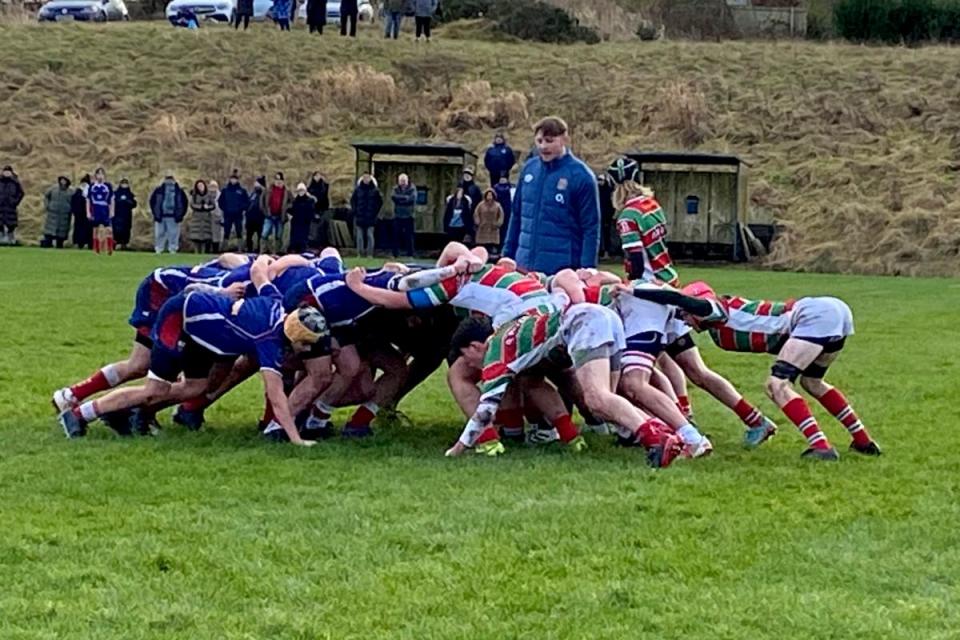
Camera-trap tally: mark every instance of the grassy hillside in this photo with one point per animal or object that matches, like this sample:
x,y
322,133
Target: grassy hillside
x,y
854,149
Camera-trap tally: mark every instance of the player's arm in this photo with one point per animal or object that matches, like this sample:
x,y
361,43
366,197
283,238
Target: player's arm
x,y
593,277
381,297
694,306
273,387
260,272
483,415
287,262
463,386
568,282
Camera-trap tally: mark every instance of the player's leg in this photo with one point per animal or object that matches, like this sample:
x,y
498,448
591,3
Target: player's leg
x,y
348,367
812,381
759,428
108,239
678,383
795,356
225,376
106,377
638,367
386,388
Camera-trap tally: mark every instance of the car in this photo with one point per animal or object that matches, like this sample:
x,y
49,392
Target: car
x,y
217,10
83,11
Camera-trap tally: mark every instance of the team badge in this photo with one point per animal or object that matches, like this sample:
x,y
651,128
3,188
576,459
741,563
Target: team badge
x,y
562,184
528,178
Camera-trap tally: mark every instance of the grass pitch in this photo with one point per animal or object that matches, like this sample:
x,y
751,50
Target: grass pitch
x,y
219,535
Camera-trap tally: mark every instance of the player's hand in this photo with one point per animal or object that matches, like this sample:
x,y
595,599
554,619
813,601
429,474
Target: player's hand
x,y
622,290
305,443
235,291
354,278
396,267
458,449
264,260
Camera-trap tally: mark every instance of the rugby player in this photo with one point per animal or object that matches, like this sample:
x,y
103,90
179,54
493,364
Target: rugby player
x,y
806,335
196,329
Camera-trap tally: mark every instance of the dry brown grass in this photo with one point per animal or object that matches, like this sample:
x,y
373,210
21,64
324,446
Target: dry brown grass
x,y
854,150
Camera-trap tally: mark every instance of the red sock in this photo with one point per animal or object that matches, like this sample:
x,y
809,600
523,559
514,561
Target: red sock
x,y
799,414
748,413
196,404
683,403
834,402
362,416
94,384
650,432
96,245
565,427
110,246
488,435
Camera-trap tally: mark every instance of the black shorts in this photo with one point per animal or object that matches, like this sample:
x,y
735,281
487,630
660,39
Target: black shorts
x,y
319,349
830,345
143,337
186,357
681,344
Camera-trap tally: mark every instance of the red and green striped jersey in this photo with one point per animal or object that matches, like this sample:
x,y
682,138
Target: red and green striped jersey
x,y
493,291
601,295
756,326
642,226
517,346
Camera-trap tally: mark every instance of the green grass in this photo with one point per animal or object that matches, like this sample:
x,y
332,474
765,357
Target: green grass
x,y
218,535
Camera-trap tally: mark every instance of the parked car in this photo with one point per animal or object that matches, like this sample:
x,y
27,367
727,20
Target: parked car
x,y
83,11
218,10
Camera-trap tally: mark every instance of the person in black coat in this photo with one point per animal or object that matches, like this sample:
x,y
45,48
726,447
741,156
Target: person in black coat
x,y
301,216
82,229
243,14
316,15
319,189
348,13
124,202
607,214
255,215
470,188
458,217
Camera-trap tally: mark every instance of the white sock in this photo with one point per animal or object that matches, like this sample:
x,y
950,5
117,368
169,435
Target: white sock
x,y
321,407
88,412
689,434
273,426
110,373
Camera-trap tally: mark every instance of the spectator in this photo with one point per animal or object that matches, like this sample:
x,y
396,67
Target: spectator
x,y
504,190
366,203
320,190
57,204
82,229
555,221
275,203
199,229
404,208
168,204
348,13
281,14
489,217
393,17
186,18
124,204
255,216
605,188
499,159
293,12
243,14
302,211
470,188
216,218
423,11
316,15
100,211
233,201
458,217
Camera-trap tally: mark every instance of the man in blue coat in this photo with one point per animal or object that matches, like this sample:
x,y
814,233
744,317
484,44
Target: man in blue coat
x,y
499,159
556,210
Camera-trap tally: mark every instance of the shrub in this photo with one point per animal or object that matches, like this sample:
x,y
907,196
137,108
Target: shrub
x,y
540,22
900,21
465,9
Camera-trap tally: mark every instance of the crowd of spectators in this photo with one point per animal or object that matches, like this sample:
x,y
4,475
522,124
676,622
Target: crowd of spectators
x,y
564,212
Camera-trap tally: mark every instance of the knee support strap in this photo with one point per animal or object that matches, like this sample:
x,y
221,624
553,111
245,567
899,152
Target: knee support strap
x,y
784,371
